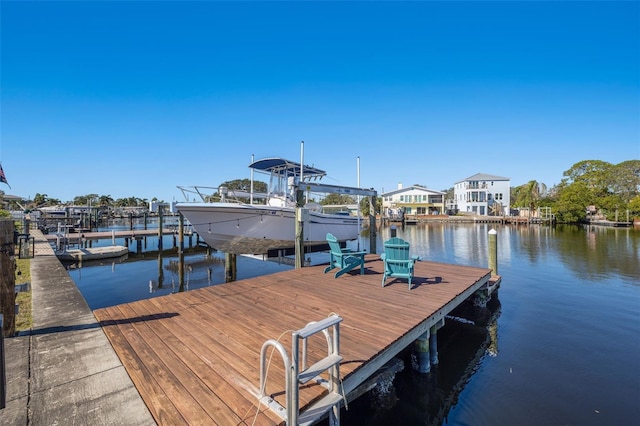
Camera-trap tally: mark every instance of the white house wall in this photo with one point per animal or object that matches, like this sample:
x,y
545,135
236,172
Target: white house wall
x,y
479,196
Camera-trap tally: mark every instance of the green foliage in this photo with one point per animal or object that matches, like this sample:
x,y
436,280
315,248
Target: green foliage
x,y
245,185
528,195
634,206
239,185
608,187
365,206
43,200
337,199
4,213
570,207
625,179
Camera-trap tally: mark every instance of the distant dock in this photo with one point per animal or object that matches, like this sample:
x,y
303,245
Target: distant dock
x,y
195,356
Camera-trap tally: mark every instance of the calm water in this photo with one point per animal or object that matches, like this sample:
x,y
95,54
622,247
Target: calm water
x,y
563,347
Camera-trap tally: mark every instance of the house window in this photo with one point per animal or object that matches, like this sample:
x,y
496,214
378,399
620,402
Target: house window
x,y
402,198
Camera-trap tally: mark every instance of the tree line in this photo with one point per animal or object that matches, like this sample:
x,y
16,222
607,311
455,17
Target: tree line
x,y
588,187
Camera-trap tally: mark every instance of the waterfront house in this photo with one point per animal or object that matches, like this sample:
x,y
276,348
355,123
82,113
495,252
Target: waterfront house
x,y
413,200
483,194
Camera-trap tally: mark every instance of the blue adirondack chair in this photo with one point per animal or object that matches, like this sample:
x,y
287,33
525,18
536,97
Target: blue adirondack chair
x,y
397,262
343,258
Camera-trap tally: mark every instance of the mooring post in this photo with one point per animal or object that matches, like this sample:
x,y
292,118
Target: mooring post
x,y
229,267
302,216
160,271
180,271
421,360
493,252
372,225
160,225
181,232
394,231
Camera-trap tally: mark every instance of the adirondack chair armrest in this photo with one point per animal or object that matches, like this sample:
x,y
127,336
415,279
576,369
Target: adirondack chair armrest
x,y
416,257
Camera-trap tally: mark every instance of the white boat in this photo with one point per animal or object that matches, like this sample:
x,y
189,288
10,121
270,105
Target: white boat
x,y
233,226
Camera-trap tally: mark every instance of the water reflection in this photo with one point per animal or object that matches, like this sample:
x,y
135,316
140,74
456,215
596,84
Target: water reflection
x,y
591,252
427,399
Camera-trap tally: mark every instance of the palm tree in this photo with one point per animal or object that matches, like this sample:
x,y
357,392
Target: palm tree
x,y
105,200
530,194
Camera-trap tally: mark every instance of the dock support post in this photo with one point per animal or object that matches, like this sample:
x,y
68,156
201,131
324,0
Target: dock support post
x,y
493,252
433,345
138,245
420,359
229,267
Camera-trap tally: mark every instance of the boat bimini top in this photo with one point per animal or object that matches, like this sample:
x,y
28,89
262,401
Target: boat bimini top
x,y
285,168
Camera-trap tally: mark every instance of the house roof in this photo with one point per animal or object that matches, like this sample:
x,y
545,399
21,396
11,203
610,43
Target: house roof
x,y
483,176
410,188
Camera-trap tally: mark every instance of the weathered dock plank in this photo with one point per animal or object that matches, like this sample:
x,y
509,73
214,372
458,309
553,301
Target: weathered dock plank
x,y
195,356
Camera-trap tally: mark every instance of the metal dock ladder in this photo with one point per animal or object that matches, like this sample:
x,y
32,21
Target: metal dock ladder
x,y
298,374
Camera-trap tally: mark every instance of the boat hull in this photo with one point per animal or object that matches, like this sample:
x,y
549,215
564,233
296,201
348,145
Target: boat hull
x,y
257,229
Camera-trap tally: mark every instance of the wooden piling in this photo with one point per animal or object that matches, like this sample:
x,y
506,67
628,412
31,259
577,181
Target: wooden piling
x,y
493,252
302,216
230,267
160,224
372,225
421,360
181,232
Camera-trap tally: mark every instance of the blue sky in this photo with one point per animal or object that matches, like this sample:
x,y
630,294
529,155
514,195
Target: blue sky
x,y
134,98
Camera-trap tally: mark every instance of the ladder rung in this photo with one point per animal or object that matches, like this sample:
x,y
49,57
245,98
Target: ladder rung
x,y
319,409
319,367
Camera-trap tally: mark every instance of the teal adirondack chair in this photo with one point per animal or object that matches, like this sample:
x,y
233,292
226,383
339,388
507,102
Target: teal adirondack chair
x,y
342,258
397,262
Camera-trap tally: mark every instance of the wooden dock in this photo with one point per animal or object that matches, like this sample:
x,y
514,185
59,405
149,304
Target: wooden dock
x,y
195,356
